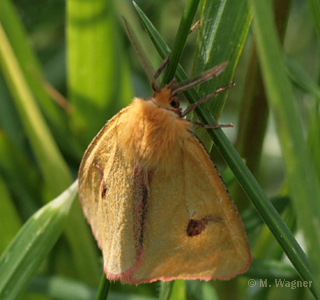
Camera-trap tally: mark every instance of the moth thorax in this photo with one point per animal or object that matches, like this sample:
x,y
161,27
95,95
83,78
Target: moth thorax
x,y
153,135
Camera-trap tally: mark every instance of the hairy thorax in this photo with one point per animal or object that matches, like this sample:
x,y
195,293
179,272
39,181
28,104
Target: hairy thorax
x,y
152,135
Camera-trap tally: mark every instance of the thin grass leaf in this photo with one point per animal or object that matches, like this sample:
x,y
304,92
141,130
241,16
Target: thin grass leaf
x,y
180,40
301,176
165,290
54,170
240,170
104,288
53,167
31,245
30,66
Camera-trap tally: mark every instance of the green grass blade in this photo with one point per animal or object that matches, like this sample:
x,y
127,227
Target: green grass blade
x,y
301,176
165,290
54,170
97,81
104,288
10,222
242,173
30,66
31,245
178,290
219,40
180,40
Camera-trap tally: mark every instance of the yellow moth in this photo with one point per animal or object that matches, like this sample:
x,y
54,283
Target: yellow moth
x,y
156,204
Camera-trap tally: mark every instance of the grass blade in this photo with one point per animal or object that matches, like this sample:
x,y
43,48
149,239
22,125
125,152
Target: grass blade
x,y
32,244
301,176
97,80
53,167
180,40
214,48
54,170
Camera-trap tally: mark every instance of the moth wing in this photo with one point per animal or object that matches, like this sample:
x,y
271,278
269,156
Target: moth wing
x,y
193,229
105,185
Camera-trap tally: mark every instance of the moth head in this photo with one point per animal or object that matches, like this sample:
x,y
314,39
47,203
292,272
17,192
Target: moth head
x,y
164,98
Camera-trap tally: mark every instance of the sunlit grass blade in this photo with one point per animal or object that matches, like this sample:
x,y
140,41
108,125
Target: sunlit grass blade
x,y
178,290
98,81
301,176
31,245
242,173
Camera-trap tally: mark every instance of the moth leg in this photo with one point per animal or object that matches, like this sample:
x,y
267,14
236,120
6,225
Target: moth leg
x,y
191,107
195,26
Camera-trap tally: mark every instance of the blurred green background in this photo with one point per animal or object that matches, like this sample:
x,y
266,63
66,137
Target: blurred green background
x,y
68,66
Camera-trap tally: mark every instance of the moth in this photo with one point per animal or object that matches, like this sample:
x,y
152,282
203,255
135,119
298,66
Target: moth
x,y
155,201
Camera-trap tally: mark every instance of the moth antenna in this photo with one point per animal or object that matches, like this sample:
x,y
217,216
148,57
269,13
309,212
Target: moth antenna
x,y
141,55
192,82
162,66
191,107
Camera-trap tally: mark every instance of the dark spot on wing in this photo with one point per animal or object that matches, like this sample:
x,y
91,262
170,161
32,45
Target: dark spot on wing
x,y
195,227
